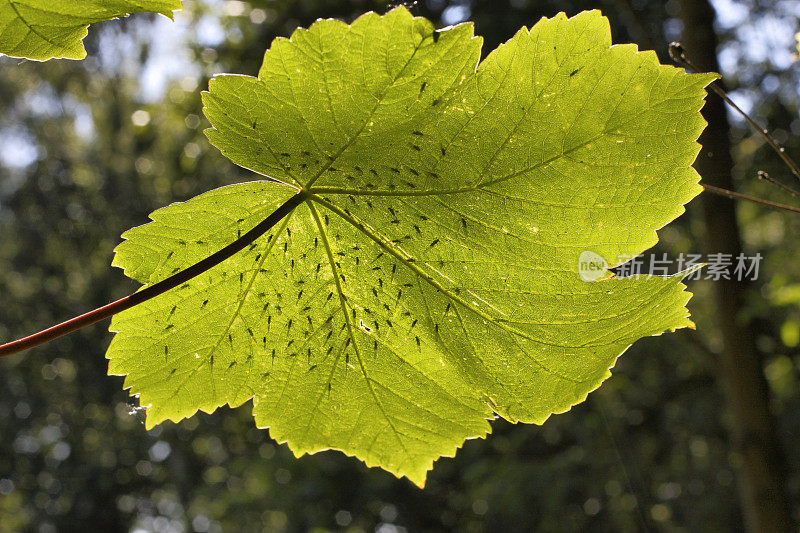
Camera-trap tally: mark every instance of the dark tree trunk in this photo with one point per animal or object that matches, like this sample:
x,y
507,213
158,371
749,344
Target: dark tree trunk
x,y
761,468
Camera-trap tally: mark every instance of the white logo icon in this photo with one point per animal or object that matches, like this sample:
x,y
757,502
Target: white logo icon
x,y
591,266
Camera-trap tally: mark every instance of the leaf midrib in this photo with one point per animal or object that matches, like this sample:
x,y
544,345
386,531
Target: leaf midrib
x,y
512,332
30,27
410,263
343,305
480,185
355,136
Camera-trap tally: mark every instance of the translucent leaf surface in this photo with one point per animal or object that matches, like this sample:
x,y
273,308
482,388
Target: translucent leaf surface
x,y
430,280
46,29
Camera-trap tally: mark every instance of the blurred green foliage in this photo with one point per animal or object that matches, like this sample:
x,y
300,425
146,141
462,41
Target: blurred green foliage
x,y
87,149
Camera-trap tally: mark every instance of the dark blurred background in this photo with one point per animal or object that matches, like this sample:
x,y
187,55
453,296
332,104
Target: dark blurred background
x,y
88,149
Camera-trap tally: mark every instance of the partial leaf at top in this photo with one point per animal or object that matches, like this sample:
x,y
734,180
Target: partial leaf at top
x,y
46,29
430,280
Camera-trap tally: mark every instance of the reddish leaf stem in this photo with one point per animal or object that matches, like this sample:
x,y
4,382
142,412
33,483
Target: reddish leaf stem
x,y
156,289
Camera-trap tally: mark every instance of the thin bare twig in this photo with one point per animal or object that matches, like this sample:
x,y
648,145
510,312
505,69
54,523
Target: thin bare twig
x,y
785,188
678,54
747,197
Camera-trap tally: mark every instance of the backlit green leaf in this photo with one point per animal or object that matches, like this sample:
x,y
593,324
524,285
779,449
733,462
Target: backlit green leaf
x,y
430,280
46,29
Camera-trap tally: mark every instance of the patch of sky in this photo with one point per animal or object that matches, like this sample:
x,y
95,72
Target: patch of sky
x,y
19,148
764,40
83,123
44,102
730,13
169,56
209,31
767,37
41,101
456,12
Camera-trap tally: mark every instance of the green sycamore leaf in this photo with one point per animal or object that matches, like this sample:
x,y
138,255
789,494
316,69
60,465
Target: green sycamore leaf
x,y
429,281
47,29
